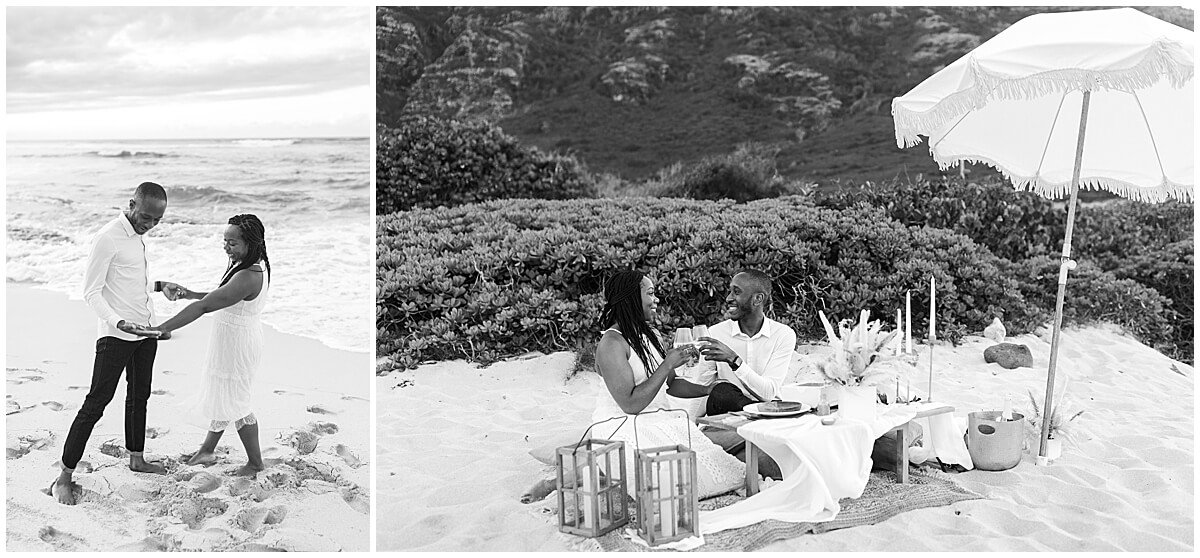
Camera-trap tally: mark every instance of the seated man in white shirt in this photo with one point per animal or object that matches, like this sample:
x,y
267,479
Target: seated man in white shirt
x,y
752,352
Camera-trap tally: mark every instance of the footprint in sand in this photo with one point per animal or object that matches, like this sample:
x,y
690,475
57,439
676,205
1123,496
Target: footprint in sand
x,y
305,470
138,491
304,441
17,446
53,405
297,540
147,544
258,489
156,432
348,456
159,392
194,511
113,448
14,450
322,428
60,540
204,482
317,409
252,519
75,388
167,372
357,500
12,407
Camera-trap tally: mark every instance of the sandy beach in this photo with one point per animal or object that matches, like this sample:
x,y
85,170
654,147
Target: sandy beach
x,y
312,403
454,445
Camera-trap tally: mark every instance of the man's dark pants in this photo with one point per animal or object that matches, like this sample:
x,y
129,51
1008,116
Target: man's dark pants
x,y
113,355
725,398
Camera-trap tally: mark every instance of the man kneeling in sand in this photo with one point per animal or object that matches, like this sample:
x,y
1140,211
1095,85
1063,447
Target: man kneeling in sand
x,y
117,285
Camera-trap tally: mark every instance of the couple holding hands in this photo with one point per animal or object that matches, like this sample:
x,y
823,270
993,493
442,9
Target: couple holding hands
x,y
747,357
117,287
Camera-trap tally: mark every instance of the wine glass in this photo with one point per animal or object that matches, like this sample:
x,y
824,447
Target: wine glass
x,y
683,338
697,333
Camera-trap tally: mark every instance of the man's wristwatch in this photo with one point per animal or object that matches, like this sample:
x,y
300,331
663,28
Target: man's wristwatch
x,y
737,363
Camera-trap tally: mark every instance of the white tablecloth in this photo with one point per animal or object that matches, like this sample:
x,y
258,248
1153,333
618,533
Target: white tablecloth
x,y
822,464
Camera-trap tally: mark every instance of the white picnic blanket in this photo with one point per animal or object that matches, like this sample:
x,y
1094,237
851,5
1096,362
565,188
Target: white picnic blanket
x,y
822,464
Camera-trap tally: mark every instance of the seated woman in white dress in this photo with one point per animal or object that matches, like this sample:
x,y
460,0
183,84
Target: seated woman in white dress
x,y
630,358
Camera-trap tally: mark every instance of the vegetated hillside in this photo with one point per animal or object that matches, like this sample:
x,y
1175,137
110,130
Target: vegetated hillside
x,y
630,90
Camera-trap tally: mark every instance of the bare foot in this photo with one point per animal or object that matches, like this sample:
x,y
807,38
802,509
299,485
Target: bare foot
x,y
248,470
139,464
539,491
202,458
63,492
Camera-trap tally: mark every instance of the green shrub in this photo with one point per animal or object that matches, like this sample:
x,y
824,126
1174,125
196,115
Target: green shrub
x,y
503,278
1014,225
746,174
426,162
1152,244
1095,296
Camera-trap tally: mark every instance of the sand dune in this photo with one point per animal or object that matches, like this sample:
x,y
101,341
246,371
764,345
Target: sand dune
x,y
313,411
454,445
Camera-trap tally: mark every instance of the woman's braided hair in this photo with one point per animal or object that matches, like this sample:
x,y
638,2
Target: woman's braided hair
x,y
254,235
623,308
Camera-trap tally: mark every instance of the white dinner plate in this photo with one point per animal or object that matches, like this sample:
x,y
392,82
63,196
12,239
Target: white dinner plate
x,y
759,409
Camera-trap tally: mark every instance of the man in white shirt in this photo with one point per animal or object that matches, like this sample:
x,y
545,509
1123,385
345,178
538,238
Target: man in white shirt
x,y
116,284
752,352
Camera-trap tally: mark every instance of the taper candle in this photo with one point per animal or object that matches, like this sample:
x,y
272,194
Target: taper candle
x,y
899,333
908,320
932,310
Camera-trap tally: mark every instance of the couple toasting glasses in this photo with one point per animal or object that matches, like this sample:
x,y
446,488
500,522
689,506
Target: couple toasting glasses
x,y
117,286
748,356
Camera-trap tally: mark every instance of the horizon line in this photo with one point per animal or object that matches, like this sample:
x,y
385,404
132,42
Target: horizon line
x,y
7,140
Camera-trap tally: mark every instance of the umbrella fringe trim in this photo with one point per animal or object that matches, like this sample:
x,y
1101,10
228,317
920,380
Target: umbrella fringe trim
x,y
1157,64
1058,190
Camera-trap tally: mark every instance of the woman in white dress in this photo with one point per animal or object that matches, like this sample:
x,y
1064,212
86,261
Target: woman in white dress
x,y
235,348
636,372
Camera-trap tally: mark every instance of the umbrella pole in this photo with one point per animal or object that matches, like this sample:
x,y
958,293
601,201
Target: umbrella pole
x,y
1067,264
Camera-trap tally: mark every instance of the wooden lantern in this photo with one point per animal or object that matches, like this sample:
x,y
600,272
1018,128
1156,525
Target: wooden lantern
x,y
668,504
592,498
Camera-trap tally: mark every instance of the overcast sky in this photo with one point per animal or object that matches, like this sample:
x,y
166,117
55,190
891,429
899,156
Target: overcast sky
x,y
189,72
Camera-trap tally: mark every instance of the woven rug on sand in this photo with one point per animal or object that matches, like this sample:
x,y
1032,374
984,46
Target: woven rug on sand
x,y
882,498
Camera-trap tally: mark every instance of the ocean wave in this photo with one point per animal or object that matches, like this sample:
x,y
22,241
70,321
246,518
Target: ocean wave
x,y
127,154
189,195
348,183
355,205
17,232
265,142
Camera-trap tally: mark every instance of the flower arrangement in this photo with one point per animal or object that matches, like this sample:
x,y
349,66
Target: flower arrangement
x,y
1061,416
857,353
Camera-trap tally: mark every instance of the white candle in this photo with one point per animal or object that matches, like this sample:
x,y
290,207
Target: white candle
x,y
586,474
899,333
932,310
665,509
908,320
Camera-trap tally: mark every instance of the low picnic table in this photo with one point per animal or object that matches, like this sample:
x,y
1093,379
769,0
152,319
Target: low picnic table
x,y
733,421
823,463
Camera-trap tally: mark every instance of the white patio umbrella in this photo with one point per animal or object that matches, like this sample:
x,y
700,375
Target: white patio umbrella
x,y
1058,101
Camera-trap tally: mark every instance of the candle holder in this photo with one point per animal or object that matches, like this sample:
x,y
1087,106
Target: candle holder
x,y
597,500
667,495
